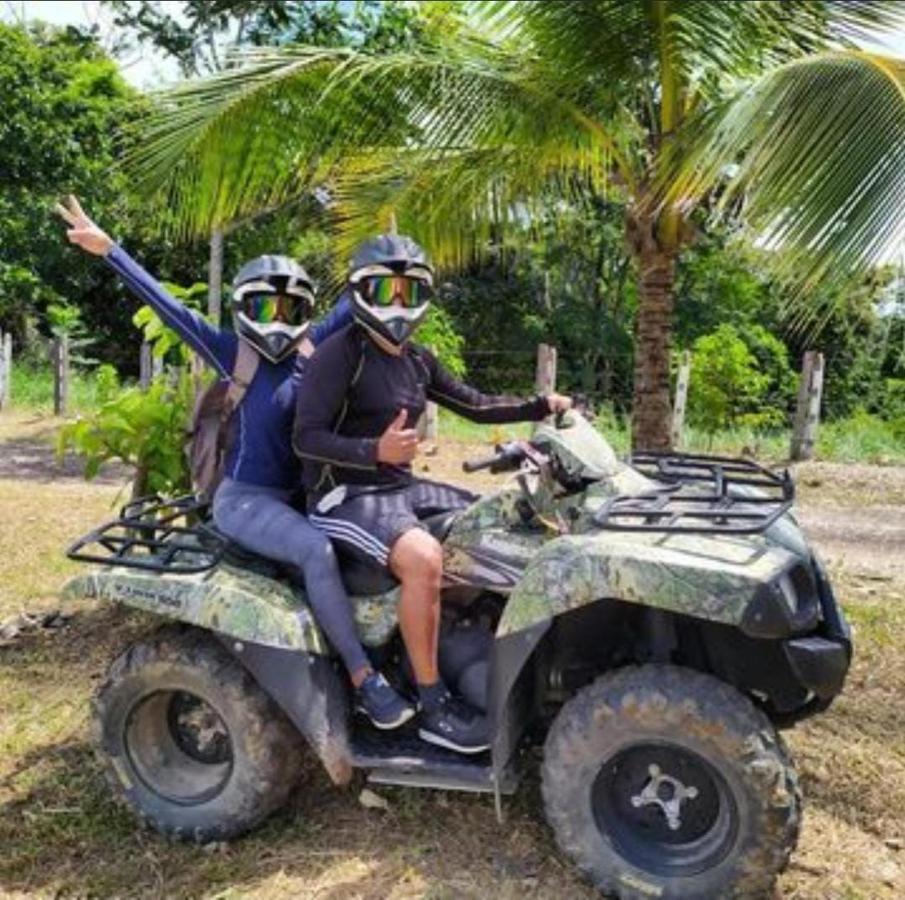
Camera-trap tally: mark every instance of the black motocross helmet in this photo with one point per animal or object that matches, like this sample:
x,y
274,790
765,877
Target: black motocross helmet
x,y
273,302
391,281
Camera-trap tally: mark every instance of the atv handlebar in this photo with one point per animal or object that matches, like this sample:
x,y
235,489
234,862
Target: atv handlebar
x,y
507,456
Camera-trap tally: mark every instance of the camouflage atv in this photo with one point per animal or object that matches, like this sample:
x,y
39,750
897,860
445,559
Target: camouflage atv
x,y
646,628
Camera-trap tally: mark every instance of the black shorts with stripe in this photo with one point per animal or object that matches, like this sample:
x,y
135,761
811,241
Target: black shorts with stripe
x,y
365,521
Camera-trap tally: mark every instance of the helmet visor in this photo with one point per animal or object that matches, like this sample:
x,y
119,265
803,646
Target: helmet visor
x,y
385,290
290,309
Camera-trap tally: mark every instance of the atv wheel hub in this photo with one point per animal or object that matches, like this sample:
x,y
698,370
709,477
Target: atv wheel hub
x,y
665,808
666,792
179,747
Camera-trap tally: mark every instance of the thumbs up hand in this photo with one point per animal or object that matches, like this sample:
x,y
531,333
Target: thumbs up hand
x,y
398,444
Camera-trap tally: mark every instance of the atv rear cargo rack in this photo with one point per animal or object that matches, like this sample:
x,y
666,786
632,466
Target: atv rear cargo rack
x,y
155,534
682,505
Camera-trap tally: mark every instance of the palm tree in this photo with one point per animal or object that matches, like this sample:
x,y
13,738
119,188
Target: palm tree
x,y
769,109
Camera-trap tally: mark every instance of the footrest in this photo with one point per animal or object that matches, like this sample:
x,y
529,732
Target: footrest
x,y
401,758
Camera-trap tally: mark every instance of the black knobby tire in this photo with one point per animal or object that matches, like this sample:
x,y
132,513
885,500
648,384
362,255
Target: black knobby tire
x,y
607,758
189,742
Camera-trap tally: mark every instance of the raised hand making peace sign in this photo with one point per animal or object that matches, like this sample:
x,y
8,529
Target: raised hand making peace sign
x,y
82,230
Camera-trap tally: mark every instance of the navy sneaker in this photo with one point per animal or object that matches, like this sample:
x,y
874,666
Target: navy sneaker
x,y
376,699
455,725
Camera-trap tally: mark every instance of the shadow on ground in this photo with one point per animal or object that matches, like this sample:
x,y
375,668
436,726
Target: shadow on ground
x,y
62,833
33,458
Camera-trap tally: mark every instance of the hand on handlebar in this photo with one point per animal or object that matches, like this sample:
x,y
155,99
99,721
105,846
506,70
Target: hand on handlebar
x,y
505,457
397,445
558,403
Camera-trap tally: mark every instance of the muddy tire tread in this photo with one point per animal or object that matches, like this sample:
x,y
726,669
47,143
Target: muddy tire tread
x,y
673,695
276,744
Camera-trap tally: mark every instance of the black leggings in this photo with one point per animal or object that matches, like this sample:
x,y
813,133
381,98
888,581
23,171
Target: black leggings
x,y
261,519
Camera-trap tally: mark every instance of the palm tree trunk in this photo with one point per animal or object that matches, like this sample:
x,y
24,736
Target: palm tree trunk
x,y
651,407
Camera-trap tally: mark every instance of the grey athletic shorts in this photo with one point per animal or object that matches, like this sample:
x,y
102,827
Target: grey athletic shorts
x,y
365,521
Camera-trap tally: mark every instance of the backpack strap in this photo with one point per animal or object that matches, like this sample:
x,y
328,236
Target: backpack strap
x,y
244,369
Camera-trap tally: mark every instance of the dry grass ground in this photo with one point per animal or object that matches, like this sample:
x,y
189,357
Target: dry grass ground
x,y
61,836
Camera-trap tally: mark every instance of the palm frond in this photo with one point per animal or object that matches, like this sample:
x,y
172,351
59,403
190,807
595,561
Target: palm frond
x,y
258,133
622,41
460,202
817,150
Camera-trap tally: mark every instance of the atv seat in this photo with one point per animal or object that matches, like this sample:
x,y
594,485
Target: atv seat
x,y
440,524
238,555
365,579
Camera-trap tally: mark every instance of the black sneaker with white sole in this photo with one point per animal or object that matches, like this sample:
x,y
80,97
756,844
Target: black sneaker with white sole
x,y
376,699
455,725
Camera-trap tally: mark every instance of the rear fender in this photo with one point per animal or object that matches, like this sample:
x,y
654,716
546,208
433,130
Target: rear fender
x,y
312,693
713,579
235,602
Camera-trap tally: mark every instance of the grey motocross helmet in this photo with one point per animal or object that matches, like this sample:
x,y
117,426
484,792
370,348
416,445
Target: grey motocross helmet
x,y
391,281
273,301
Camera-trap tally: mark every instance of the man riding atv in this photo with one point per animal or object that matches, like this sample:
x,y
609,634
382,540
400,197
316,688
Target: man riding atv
x,y
364,391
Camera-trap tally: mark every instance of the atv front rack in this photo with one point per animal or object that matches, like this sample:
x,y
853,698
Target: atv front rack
x,y
155,534
683,505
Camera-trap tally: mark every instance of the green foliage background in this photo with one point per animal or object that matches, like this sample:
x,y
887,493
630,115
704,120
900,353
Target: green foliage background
x,y
564,276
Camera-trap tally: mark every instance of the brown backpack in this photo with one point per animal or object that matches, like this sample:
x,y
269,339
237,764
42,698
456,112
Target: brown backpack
x,y
208,439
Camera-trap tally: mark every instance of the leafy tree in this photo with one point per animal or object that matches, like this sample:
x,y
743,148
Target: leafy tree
x,y
663,104
62,102
201,36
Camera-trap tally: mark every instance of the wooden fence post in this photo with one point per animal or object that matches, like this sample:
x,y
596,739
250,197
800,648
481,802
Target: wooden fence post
x,y
144,366
61,375
545,373
6,368
807,411
545,376
678,409
429,423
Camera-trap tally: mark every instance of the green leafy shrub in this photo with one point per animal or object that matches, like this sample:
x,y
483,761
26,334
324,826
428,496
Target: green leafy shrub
x,y
727,386
65,320
439,334
894,399
164,339
106,380
144,429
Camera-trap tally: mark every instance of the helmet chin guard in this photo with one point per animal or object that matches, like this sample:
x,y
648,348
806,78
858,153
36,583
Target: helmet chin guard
x,y
274,342
389,254
276,276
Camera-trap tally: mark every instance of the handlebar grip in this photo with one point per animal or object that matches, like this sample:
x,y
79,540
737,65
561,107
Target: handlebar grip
x,y
475,465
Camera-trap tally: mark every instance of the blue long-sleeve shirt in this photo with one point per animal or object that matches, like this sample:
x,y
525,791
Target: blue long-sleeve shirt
x,y
261,451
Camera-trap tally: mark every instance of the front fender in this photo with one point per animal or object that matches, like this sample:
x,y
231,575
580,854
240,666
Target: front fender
x,y
711,578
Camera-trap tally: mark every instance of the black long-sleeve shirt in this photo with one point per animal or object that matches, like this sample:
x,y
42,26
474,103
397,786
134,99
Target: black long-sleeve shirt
x,y
353,390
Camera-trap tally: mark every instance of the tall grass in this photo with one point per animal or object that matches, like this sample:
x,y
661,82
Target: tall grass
x,y
859,438
32,389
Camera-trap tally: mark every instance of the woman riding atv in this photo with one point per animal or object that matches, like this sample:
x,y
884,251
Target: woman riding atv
x,y
273,300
